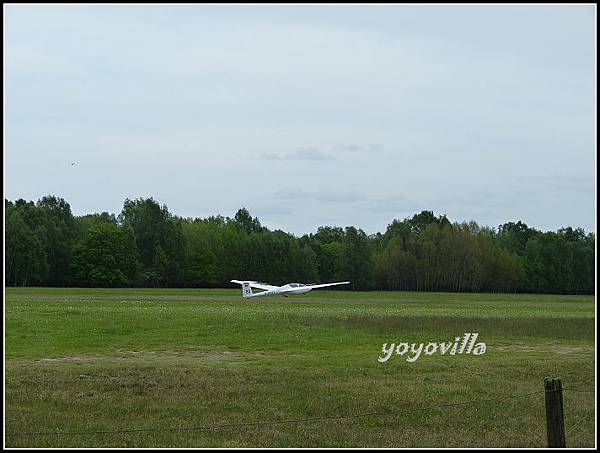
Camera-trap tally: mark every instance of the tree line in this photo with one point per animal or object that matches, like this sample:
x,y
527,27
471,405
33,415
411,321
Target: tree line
x,y
147,246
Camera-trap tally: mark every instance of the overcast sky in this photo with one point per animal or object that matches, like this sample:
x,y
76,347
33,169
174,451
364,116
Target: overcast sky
x,y
306,115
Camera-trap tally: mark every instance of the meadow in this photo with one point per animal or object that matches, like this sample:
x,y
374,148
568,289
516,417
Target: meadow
x,y
206,368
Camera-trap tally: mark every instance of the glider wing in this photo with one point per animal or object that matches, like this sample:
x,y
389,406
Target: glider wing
x,y
256,285
323,285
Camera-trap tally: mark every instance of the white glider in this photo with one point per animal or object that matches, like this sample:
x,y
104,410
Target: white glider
x,y
286,290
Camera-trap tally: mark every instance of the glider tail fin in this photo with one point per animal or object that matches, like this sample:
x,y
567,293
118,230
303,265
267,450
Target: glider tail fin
x,y
246,290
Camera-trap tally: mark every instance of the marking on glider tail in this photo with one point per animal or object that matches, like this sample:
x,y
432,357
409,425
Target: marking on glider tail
x,y
246,290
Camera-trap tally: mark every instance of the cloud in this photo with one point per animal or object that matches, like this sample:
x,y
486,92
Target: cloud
x,y
326,196
558,184
301,153
354,148
164,101
310,154
392,205
478,198
271,156
315,154
380,205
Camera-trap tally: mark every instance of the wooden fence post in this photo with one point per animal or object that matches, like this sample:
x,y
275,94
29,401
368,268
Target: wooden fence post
x,y
555,422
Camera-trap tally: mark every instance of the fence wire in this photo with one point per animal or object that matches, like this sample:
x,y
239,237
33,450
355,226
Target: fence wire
x,y
424,406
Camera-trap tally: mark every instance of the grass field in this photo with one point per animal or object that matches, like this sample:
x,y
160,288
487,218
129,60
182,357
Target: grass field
x,y
88,360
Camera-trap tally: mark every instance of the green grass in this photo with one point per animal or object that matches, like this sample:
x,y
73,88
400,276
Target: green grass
x,y
105,360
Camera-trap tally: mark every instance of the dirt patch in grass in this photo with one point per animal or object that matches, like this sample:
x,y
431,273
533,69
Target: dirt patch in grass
x,y
549,348
121,297
168,357
123,356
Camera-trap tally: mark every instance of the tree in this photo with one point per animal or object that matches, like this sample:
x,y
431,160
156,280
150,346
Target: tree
x,y
25,255
155,232
104,258
83,223
60,232
200,268
395,268
355,259
244,220
147,246
514,236
420,221
327,235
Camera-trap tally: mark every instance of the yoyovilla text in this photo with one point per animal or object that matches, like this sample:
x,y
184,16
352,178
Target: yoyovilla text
x,y
460,345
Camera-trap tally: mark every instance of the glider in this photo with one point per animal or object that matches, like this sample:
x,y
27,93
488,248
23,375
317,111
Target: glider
x,y
286,290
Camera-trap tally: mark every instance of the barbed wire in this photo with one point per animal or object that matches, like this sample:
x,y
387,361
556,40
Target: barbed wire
x,y
579,390
423,407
